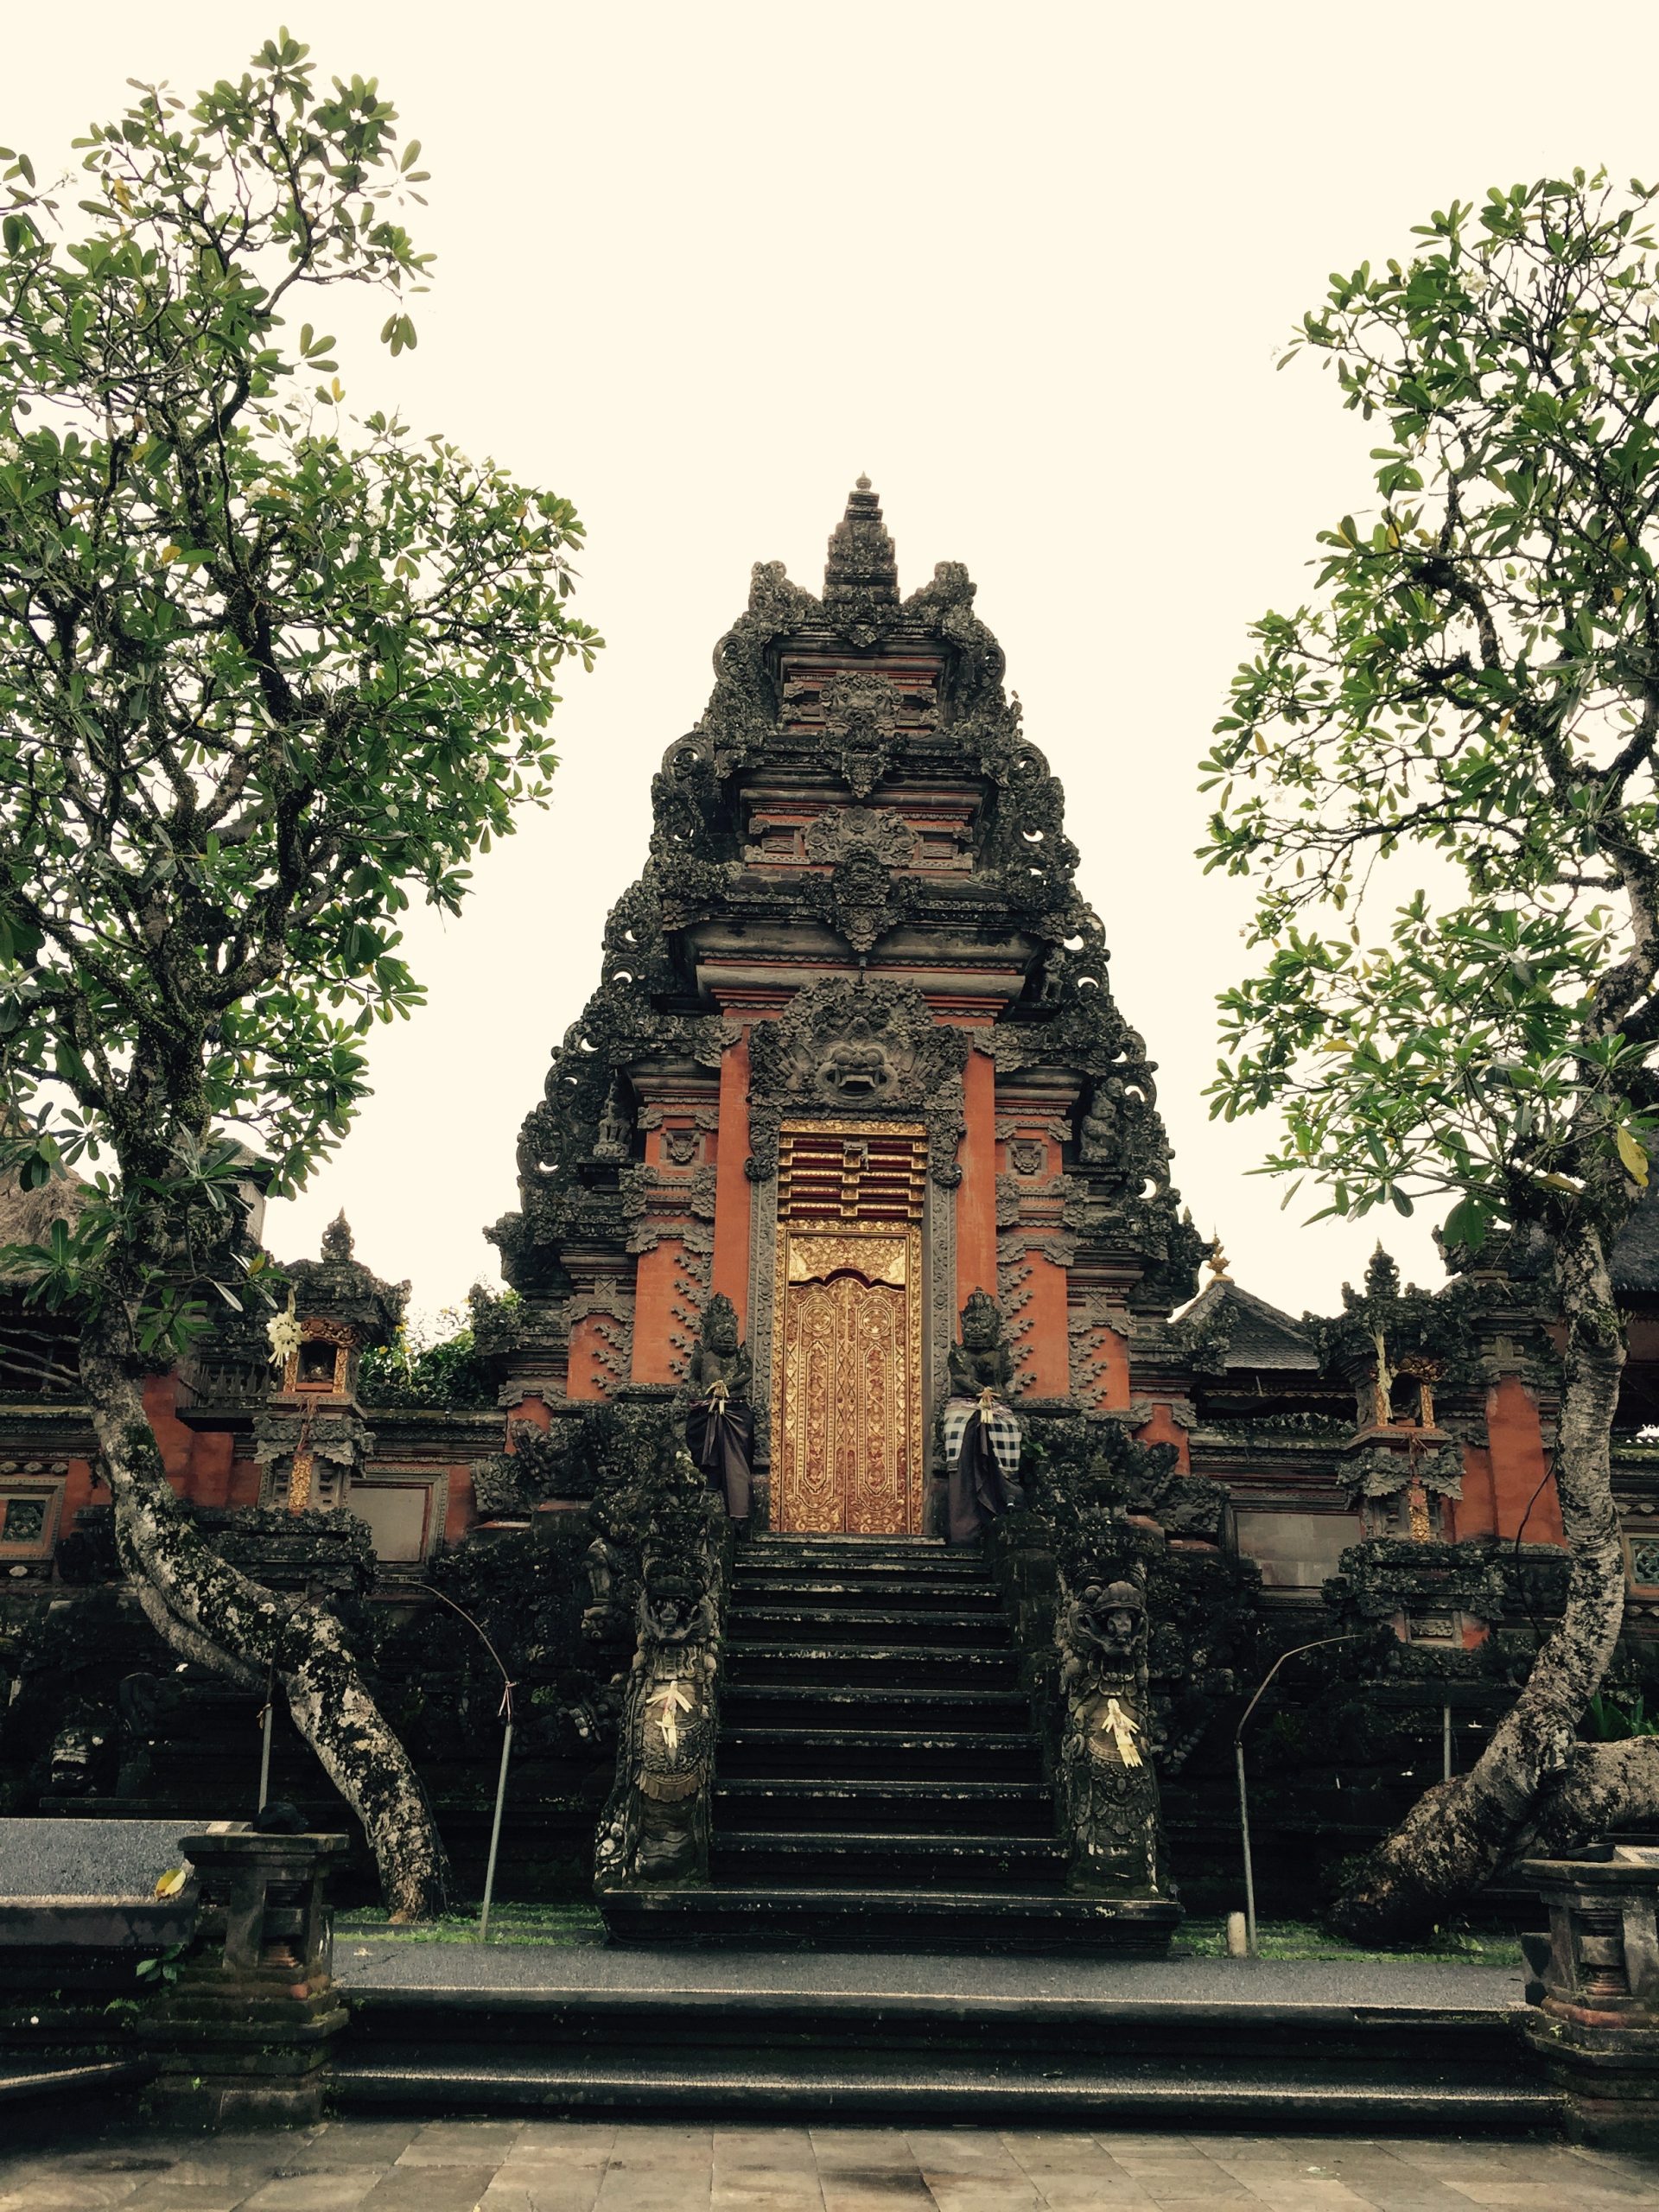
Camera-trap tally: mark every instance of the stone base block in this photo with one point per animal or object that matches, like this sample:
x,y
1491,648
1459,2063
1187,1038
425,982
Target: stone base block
x,y
222,2063
1606,2072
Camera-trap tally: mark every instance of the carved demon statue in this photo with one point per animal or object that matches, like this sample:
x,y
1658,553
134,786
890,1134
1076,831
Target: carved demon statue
x,y
1109,1789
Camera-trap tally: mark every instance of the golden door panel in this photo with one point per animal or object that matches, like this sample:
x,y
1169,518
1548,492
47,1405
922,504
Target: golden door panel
x,y
847,1346
846,1460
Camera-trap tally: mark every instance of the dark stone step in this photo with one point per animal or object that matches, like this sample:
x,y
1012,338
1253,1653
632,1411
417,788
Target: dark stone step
x,y
875,1753
864,1551
865,2086
905,1592
855,1664
748,1625
827,1666
954,1705
779,1554
25,2078
949,2039
781,1805
968,1914
857,1860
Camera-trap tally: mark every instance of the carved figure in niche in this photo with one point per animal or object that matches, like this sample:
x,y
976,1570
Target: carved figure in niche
x,y
981,1437
1051,985
856,1065
720,1425
1101,1139
1109,1787
614,1140
602,1565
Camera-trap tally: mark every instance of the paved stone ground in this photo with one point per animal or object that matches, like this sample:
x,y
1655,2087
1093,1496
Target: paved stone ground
x,y
455,2166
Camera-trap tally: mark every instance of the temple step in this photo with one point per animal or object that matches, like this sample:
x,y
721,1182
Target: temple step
x,y
752,1625
957,1706
902,1915
874,1754
857,1857
1072,2041
786,1803
829,1665
911,1593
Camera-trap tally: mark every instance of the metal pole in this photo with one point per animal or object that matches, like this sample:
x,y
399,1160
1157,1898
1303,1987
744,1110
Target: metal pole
x,y
495,1832
266,1719
1244,1830
1446,1743
506,1750
1362,1636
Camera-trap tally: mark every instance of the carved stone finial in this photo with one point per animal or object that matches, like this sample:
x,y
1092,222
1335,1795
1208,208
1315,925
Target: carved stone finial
x,y
1382,1275
337,1242
1218,1261
862,567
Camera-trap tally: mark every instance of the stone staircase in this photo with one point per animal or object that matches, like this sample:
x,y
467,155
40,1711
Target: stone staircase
x,y
878,1780
880,1791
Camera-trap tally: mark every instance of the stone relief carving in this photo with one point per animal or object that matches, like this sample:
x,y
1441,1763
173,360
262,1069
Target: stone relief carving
x,y
842,1048
861,726
877,830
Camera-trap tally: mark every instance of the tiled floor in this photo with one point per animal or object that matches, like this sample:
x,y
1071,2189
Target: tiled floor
x,y
487,2165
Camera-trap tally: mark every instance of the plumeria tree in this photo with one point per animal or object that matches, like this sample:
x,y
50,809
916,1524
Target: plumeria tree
x,y
1469,701
268,671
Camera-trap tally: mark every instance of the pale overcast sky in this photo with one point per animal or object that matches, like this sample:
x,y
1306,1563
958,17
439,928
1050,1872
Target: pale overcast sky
x,y
700,264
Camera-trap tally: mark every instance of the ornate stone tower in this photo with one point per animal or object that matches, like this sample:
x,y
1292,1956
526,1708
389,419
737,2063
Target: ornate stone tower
x,y
854,1055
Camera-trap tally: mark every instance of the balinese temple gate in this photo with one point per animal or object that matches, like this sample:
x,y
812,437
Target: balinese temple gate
x,y
854,1056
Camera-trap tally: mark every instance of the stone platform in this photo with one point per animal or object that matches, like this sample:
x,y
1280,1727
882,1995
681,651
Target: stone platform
x,y
1079,2041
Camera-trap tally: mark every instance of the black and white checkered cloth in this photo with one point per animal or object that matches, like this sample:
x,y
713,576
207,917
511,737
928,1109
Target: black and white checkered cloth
x,y
1000,1427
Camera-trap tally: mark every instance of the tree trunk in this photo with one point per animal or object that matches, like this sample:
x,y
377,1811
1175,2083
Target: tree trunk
x,y
214,1616
1461,1831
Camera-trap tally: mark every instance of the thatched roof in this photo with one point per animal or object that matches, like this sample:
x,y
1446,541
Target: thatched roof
x,y
1635,1252
26,1216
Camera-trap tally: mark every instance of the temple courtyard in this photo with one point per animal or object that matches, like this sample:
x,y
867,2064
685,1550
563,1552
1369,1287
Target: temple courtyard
x,y
508,2165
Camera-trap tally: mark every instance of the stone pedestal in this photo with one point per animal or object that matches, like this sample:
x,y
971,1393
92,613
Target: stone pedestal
x,y
1596,2026
247,2029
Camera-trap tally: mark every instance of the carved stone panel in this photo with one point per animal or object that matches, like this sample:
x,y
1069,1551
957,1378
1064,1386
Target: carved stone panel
x,y
864,1048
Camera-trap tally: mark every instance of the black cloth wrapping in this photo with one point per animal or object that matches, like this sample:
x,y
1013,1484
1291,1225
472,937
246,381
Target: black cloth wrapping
x,y
979,1488
721,1435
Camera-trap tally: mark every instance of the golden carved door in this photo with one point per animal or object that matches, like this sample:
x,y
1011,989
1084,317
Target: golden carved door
x,y
847,1385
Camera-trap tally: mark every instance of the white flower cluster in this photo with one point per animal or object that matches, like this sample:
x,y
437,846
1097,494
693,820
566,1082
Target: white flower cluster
x,y
283,1330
